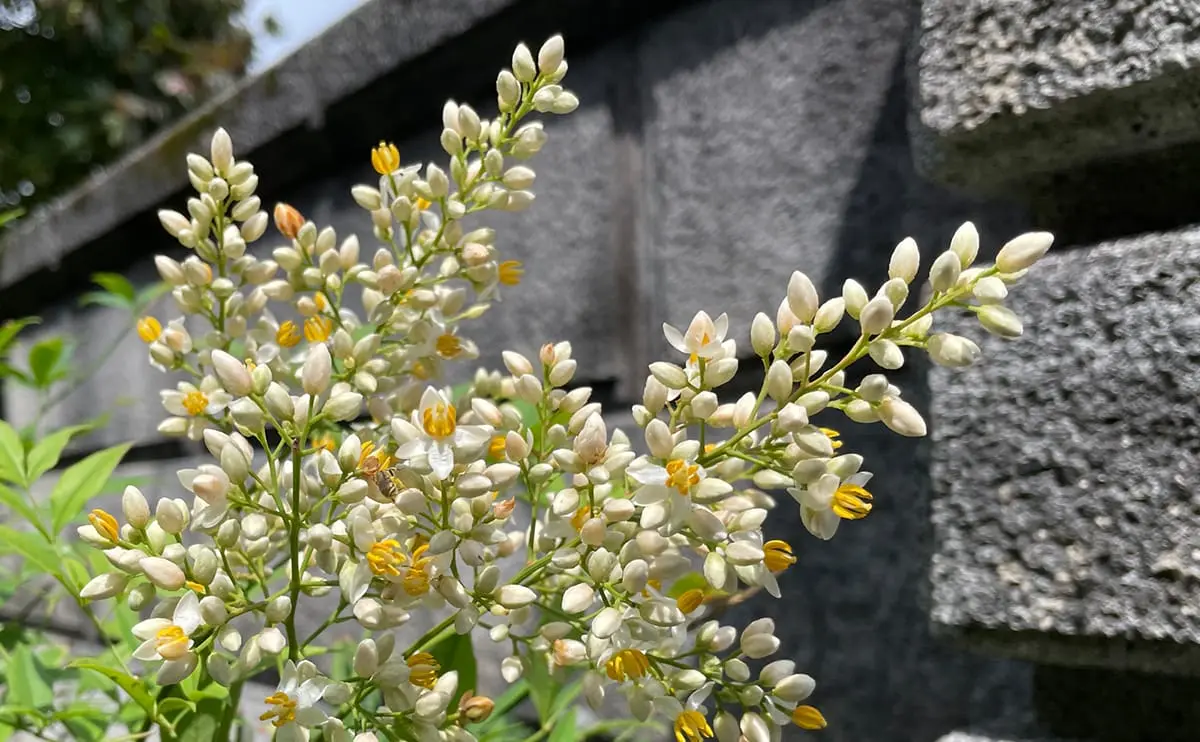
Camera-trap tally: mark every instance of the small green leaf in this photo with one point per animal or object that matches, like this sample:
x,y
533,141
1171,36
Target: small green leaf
x,y
9,372
17,502
174,703
32,546
81,482
541,685
12,455
564,728
456,653
11,215
509,699
564,696
44,359
130,685
27,682
9,330
115,283
104,299
46,453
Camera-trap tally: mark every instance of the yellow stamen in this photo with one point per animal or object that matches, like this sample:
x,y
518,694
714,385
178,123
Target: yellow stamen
x,y
371,461
497,447
385,158
691,726
627,664
324,441
423,669
171,642
287,335
195,587
440,420
808,717
778,555
833,436
682,476
384,557
580,517
283,711
148,329
416,576
320,302
420,371
851,502
448,346
421,204
195,402
690,600
317,329
105,525
656,584
511,272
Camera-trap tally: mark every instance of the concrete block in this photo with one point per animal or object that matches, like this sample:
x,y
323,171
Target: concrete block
x,y
1063,464
1007,90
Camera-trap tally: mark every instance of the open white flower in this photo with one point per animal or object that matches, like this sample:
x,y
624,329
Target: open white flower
x,y
292,709
192,404
441,434
829,500
169,641
210,484
665,494
703,337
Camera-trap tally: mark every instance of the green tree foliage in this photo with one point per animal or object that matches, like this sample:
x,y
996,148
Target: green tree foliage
x,y
82,81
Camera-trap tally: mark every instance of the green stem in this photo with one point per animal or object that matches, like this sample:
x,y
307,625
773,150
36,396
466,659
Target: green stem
x,y
294,545
231,713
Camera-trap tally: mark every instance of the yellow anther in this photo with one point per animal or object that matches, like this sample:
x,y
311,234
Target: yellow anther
x,y
423,669
448,345
691,726
195,402
778,555
682,476
105,525
497,447
627,664
511,272
287,335
384,557
833,436
317,329
690,600
282,711
385,158
808,717
851,502
148,329
440,420
171,642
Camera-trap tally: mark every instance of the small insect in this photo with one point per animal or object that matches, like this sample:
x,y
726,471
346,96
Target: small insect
x,y
388,482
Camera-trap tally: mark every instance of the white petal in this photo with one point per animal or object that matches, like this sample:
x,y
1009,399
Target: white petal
x,y
187,613
650,494
173,671
441,459
147,651
410,450
291,733
148,628
675,338
722,325
653,516
310,692
643,472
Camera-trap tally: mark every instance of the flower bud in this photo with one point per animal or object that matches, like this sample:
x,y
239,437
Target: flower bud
x,y
944,272
592,442
139,596
901,417
779,380
965,244
550,55
659,439
213,611
877,315
515,596
855,297
162,573
1023,251
279,608
102,587
134,507
886,353
522,64
233,373
762,335
508,91
317,369
990,290
802,297
279,402
703,405
1000,321
171,515
906,259
343,407
952,351
205,565
247,415
669,375
222,151
578,598
654,395
272,641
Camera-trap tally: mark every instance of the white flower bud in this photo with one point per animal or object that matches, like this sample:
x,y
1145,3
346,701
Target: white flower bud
x,y
578,598
901,417
829,315
792,418
272,641
519,177
508,91
654,395
279,608
659,439
550,55
990,290
736,669
510,669
886,353
802,297
1000,321
606,623
171,515
366,659
952,351
779,380
205,565
522,64
213,611
855,297
318,367
1023,251
944,272
515,596
762,335
163,573
517,364
744,553
906,259
592,442
367,197
669,375
102,587
174,222
965,244
877,315
704,404
134,507
279,402
343,407
222,151
794,688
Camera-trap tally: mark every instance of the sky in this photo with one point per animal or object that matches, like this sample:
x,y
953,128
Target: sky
x,y
300,20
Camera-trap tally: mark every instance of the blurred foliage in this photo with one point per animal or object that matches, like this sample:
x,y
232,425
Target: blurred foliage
x,y
82,81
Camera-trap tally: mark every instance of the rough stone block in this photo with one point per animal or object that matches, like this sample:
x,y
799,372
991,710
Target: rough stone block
x,y
1064,466
1010,89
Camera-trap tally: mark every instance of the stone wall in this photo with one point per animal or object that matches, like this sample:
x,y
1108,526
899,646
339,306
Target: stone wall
x,y
720,145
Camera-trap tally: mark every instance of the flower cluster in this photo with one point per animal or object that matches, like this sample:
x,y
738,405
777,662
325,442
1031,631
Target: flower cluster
x,y
342,467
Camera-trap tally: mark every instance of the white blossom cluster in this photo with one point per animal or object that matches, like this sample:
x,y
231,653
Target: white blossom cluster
x,y
341,467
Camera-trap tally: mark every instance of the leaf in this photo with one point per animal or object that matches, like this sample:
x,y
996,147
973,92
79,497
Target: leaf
x,y
11,215
149,293
510,698
44,359
31,546
81,482
17,502
116,284
690,581
8,372
167,705
104,299
455,652
564,696
46,453
541,685
27,682
12,455
9,330
130,685
564,728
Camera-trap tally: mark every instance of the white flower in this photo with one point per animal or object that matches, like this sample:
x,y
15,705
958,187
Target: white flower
x,y
665,494
170,641
438,421
192,404
292,709
210,484
703,337
825,502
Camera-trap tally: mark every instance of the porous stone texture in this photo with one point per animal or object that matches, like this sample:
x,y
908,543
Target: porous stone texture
x,y
1063,466
1007,89
376,38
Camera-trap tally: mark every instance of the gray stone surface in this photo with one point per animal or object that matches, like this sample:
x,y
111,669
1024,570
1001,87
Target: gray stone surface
x,y
1007,89
373,40
1063,466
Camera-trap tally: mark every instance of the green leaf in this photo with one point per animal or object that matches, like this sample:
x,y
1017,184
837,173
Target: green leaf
x,y
564,696
129,684
44,359
690,581
564,728
149,293
81,482
12,455
46,453
541,685
168,705
31,546
17,502
509,699
104,299
456,653
27,682
116,284
9,330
